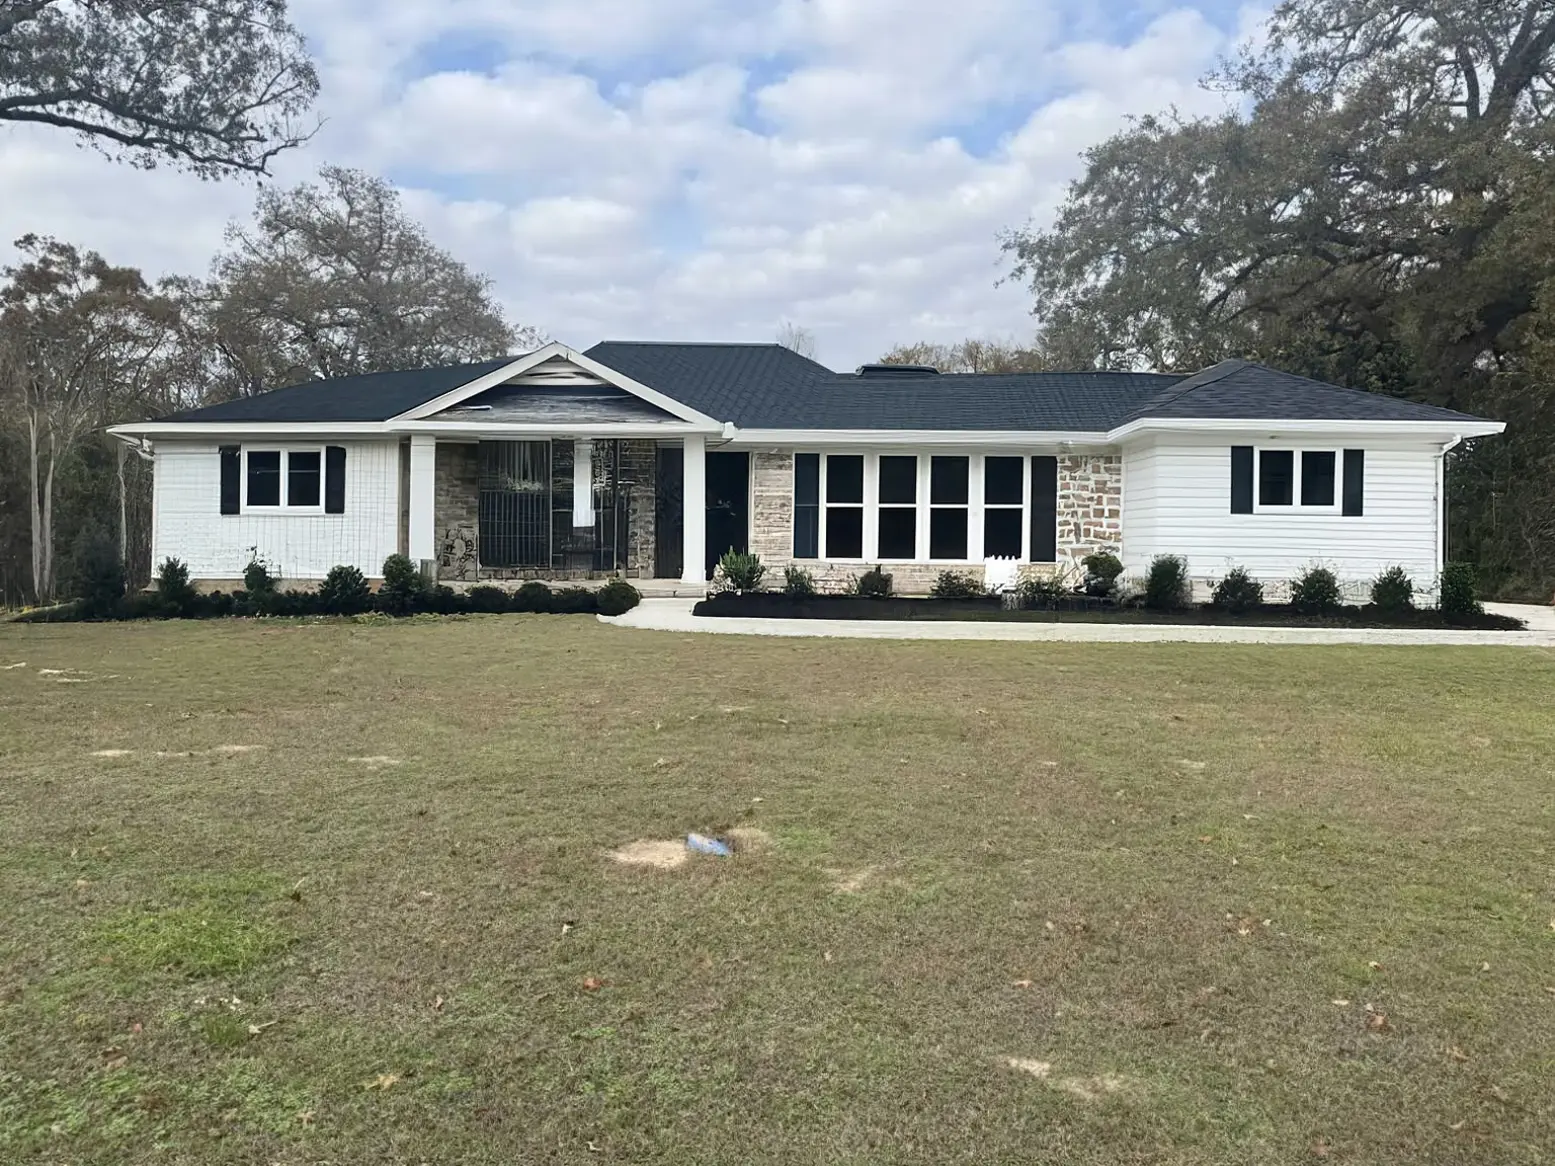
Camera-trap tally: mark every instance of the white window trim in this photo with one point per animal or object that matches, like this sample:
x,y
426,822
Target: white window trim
x,y
1297,459
974,505
285,451
865,542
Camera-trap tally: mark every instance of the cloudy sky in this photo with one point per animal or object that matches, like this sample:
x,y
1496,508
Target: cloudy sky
x,y
692,169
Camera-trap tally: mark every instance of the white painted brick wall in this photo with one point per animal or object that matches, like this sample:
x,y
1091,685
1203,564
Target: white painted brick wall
x,y
188,523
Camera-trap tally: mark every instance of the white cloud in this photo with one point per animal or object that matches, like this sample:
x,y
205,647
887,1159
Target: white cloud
x,y
690,168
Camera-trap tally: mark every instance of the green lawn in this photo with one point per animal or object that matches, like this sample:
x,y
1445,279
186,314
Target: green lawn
x,y
1218,903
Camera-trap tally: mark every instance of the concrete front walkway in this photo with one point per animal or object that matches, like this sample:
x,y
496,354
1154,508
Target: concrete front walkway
x,y
674,615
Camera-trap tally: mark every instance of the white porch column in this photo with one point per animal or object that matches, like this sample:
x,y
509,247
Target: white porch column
x,y
582,483
694,506
423,501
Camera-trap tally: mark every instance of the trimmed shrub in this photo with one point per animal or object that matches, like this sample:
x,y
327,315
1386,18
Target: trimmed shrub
x,y
98,582
1238,592
617,597
574,601
444,600
1167,587
1316,592
1393,591
957,585
1041,591
1101,573
404,586
258,579
797,582
177,595
487,599
741,571
219,603
344,592
873,583
1457,597
533,596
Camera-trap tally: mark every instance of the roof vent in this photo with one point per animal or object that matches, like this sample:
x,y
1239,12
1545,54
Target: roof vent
x,y
897,370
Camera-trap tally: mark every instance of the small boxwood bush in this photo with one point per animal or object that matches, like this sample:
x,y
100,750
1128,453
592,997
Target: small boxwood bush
x,y
574,601
741,571
1167,587
797,582
404,586
1101,572
1393,591
487,599
1316,592
957,585
176,594
1456,594
1041,592
344,592
1237,592
873,584
258,579
617,597
531,597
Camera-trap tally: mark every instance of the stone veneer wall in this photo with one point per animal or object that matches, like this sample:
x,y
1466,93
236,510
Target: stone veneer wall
x,y
456,514
1090,509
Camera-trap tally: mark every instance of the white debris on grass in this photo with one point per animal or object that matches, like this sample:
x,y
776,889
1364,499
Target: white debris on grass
x,y
112,752
661,855
1083,1088
376,761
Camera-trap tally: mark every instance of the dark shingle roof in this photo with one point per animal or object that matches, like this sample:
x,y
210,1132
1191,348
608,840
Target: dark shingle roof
x,y
1243,391
748,384
767,386
373,396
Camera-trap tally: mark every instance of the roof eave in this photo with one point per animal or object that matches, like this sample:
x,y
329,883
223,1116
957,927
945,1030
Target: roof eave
x,y
1443,429
918,437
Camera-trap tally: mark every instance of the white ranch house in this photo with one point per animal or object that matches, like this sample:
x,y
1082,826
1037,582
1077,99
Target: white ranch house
x,y
649,460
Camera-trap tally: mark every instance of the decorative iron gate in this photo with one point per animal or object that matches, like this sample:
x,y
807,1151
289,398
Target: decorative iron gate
x,y
514,511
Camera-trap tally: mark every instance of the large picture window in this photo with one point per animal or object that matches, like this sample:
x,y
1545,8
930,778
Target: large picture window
x,y
1004,502
898,506
949,502
844,506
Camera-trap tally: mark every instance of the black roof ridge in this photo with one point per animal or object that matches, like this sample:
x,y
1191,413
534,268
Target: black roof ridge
x,y
702,344
1189,384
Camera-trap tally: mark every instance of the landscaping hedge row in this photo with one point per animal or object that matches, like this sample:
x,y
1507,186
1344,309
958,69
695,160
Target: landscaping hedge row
x,y
344,591
1167,588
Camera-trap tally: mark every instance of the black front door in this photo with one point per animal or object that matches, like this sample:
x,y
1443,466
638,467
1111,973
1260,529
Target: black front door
x,y
728,505
669,548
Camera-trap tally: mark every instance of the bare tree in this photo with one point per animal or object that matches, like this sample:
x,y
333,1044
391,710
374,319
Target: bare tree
x,y
214,85
75,333
800,340
972,355
334,279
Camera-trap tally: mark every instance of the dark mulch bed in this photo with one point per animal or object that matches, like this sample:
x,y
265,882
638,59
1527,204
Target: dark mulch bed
x,y
1078,609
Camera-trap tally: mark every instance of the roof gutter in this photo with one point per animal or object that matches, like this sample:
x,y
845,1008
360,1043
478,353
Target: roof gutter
x,y
1274,425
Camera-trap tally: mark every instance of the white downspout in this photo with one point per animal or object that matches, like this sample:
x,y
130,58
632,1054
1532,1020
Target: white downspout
x,y
1441,503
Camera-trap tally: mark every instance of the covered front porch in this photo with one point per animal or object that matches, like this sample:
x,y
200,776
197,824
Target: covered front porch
x,y
508,507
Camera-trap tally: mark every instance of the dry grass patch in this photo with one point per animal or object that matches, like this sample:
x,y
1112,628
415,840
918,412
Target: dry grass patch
x,y
1331,930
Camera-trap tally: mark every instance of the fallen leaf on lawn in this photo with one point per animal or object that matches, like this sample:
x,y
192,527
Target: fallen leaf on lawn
x,y
1484,967
1551,991
1499,1094
135,1028
593,984
1319,1149
1022,984
256,1029
295,894
382,1081
1050,926
1340,1003
593,1149
437,1004
1377,1021
1457,1054
1206,838
305,1118
1457,1125
116,1063
567,925
826,955
660,762
1374,965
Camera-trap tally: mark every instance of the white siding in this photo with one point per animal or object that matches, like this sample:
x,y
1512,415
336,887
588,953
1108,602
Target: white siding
x,y
188,523
1177,500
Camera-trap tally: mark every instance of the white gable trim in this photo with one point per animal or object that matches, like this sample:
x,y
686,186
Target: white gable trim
x,y
538,357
